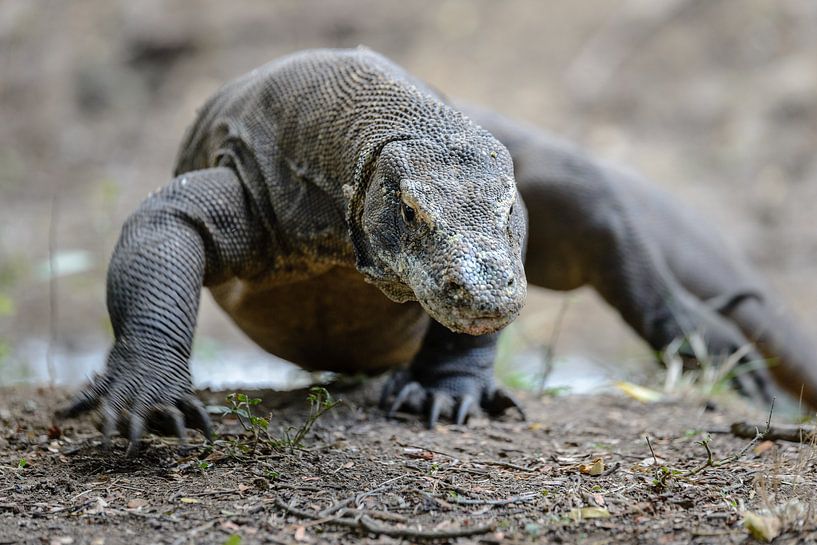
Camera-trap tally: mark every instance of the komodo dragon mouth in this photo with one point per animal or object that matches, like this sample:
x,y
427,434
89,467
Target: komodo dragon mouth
x,y
484,324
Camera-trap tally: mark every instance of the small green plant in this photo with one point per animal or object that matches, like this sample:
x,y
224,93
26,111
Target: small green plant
x,y
243,408
664,474
663,477
22,464
320,402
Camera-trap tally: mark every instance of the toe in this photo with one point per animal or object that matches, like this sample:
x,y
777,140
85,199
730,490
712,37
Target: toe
x,y
464,409
89,398
500,401
136,427
109,419
439,400
396,382
196,416
410,390
179,428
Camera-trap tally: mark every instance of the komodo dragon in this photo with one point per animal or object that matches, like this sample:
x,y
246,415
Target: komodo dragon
x,y
349,219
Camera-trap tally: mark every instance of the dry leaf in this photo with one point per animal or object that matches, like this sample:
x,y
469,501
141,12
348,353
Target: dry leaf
x,y
422,454
577,515
300,533
596,468
639,393
54,432
137,503
762,527
762,447
230,526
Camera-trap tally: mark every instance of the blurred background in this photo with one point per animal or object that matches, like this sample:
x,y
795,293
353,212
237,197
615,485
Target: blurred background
x,y
715,100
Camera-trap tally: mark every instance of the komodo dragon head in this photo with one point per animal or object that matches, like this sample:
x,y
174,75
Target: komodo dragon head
x,y
444,227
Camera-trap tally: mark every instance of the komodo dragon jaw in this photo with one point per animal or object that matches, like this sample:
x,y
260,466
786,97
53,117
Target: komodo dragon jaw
x,y
451,234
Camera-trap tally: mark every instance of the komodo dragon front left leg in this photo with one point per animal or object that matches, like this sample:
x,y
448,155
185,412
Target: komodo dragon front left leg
x,y
452,372
660,265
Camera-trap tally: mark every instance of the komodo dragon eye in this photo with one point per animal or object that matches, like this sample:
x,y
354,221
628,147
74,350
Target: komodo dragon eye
x,y
407,212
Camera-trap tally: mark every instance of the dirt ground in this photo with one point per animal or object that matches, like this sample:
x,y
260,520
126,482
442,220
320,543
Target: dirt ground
x,y
714,100
360,478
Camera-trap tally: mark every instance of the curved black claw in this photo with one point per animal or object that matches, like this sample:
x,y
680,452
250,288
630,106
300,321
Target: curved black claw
x,y
501,401
752,379
458,403
463,410
411,394
153,407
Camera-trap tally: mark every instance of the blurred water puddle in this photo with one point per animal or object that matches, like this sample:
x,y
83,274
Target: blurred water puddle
x,y
570,374
221,366
64,263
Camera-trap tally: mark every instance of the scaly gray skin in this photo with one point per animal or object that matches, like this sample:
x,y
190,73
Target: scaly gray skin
x,y
349,220
665,269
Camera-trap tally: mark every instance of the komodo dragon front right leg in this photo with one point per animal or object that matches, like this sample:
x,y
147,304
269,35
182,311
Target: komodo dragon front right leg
x,y
198,230
664,269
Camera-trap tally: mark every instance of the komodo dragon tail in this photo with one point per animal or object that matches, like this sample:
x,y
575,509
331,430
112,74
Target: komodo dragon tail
x,y
791,355
663,267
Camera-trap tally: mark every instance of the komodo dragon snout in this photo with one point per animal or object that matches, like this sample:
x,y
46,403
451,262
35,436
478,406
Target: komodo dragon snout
x,y
445,219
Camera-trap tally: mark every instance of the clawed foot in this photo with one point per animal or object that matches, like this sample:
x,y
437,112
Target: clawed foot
x,y
747,369
459,398
152,408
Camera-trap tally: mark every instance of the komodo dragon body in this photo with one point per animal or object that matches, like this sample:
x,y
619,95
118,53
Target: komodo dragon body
x,y
349,219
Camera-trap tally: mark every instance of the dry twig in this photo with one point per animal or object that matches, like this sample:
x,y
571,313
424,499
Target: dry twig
x,y
365,522
795,434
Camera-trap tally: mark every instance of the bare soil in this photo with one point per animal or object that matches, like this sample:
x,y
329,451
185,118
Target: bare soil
x,y
361,478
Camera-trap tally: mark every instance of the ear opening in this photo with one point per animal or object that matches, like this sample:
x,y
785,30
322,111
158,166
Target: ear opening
x,y
365,260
